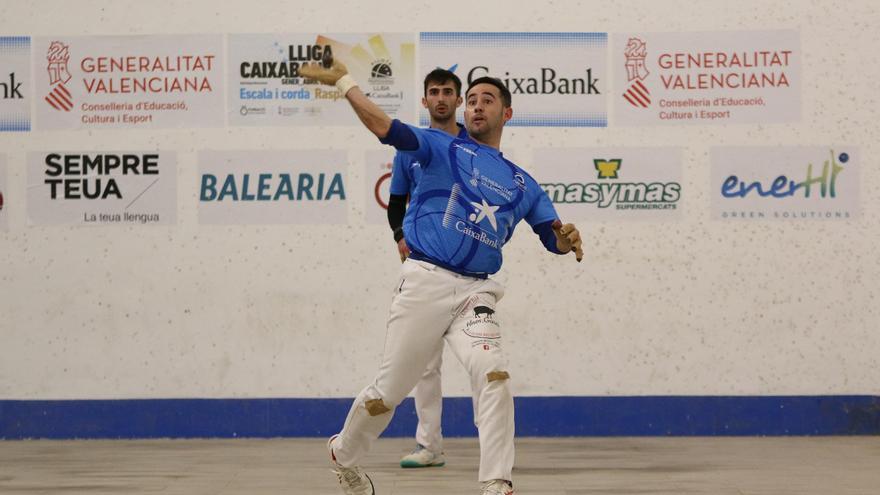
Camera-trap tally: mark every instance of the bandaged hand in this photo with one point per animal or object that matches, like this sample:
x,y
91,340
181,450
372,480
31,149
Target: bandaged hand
x,y
568,238
335,75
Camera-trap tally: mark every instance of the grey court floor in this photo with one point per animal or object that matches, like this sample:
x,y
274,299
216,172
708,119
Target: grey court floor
x,y
571,466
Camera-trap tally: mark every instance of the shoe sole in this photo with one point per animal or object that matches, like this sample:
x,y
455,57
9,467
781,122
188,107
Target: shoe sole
x,y
411,464
373,488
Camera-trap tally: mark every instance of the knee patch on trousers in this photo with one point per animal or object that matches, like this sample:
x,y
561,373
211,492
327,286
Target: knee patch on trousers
x,y
497,375
376,407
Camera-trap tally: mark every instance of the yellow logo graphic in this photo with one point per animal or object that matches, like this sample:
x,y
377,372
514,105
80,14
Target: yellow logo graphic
x,y
607,168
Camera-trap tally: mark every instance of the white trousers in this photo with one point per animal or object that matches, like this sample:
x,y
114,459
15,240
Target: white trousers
x,y
428,396
431,305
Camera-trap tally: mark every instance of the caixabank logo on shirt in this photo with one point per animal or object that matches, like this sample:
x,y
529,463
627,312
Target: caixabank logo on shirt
x,y
15,83
621,183
785,183
133,188
273,187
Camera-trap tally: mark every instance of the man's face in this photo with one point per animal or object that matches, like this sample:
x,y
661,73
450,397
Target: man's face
x,y
485,111
441,101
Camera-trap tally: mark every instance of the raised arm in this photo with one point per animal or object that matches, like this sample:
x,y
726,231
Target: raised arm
x,y
373,118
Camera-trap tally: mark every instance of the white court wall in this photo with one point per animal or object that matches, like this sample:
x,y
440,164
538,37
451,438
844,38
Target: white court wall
x,y
696,306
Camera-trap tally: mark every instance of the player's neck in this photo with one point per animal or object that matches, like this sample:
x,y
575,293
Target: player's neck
x,y
492,141
449,127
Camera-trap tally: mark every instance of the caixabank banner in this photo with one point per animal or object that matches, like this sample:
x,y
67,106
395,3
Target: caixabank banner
x,y
555,79
785,183
102,188
128,82
273,187
265,87
612,184
15,83
707,77
4,207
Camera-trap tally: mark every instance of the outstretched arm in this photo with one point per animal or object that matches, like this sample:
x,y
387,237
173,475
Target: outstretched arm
x,y
559,238
373,118
568,238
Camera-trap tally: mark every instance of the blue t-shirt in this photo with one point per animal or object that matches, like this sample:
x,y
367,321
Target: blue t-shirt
x,y
467,202
407,171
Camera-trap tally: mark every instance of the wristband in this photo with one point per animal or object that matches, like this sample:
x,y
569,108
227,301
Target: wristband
x,y
345,83
398,234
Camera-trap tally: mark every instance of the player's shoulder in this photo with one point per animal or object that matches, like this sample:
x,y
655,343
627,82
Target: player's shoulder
x,y
520,175
435,134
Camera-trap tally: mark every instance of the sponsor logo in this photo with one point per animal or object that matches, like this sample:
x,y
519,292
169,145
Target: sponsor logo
x,y
101,188
725,70
381,72
486,182
15,83
380,185
12,89
272,187
637,94
482,324
484,211
286,70
782,187
468,151
57,58
621,195
708,77
94,177
607,168
548,83
246,110
819,187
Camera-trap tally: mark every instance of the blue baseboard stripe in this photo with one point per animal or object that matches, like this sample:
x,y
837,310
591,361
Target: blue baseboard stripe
x,y
535,416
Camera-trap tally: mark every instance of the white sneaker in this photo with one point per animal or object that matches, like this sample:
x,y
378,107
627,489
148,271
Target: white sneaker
x,y
422,457
497,487
352,480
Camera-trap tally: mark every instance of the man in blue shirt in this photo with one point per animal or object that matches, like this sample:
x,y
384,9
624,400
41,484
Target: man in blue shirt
x,y
466,206
442,98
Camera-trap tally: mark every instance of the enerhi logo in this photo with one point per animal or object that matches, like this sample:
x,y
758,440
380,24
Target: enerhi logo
x,y
622,195
783,187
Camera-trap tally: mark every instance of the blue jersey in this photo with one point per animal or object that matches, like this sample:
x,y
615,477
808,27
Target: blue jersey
x,y
467,202
407,171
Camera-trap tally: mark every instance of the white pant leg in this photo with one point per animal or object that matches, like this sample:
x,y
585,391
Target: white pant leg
x,y
475,339
429,404
421,311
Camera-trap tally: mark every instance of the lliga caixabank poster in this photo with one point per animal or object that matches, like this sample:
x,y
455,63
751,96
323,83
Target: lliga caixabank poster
x,y
266,89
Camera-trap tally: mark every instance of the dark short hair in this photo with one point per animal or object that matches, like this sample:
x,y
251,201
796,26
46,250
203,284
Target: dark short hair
x,y
506,99
442,76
